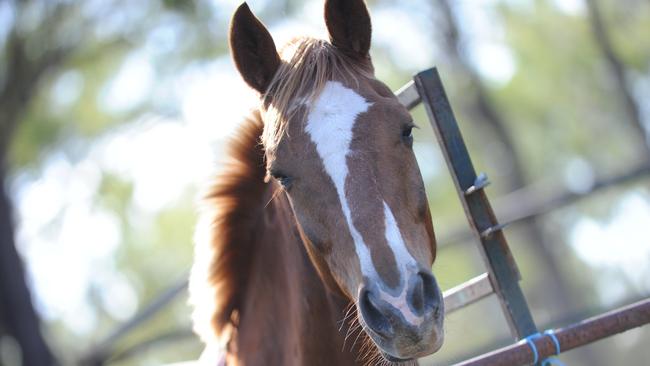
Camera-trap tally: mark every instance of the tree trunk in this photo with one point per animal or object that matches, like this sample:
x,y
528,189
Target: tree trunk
x,y
17,316
617,71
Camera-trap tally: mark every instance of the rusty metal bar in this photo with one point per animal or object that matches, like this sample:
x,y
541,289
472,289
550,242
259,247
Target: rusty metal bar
x,y
573,336
467,293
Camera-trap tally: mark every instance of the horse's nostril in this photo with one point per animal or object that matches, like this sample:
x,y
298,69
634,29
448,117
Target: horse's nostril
x,y
430,294
372,315
436,312
417,295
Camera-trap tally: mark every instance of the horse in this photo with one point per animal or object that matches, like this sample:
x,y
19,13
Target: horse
x,y
315,243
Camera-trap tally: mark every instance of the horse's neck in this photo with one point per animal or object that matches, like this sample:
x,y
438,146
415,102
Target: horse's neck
x,y
288,317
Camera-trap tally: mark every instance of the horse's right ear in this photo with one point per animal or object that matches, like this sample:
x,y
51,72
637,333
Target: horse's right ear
x,y
253,49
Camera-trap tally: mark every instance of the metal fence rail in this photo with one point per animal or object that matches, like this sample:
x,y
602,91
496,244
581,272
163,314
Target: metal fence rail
x,y
502,269
496,253
573,336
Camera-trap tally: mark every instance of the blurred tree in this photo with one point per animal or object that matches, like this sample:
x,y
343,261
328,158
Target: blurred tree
x,y
24,68
619,74
43,37
17,316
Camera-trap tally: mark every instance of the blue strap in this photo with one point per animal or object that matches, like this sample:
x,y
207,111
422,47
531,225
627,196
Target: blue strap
x,y
530,340
551,334
552,361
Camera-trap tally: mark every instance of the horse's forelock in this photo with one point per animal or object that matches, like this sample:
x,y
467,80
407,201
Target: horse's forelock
x,y
307,65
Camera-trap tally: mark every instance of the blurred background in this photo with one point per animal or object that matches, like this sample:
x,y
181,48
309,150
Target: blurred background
x,y
113,113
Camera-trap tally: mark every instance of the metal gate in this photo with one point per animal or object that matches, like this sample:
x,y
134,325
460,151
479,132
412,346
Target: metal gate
x,y
502,276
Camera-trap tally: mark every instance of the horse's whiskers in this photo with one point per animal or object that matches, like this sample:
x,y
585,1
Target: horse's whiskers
x,y
355,326
347,315
360,329
347,335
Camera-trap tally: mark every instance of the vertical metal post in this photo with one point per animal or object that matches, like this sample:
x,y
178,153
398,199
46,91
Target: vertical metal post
x,y
496,254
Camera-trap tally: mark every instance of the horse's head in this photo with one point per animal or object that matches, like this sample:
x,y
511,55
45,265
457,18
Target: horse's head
x,y
339,143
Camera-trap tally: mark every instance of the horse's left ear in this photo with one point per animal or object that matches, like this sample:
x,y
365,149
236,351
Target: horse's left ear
x,y
348,23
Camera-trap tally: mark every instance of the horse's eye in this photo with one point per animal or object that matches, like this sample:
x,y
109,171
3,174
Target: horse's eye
x,y
407,135
284,180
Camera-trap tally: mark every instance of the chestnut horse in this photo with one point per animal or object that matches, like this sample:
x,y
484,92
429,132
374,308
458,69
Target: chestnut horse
x,y
316,245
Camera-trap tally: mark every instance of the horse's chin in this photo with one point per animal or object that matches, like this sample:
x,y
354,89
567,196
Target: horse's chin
x,y
410,357
396,360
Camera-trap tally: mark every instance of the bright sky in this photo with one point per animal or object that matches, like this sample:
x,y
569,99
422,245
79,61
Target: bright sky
x,y
618,247
166,157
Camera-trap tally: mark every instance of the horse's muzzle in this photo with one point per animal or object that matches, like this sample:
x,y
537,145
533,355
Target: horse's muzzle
x,y
405,324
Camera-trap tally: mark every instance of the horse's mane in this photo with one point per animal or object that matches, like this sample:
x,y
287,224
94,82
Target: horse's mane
x,y
225,235
225,240
308,63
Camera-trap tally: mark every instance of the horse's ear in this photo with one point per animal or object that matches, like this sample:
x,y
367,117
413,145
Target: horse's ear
x,y
253,49
348,23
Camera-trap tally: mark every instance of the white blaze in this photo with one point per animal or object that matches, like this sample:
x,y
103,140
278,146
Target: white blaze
x,y
405,264
330,124
403,258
